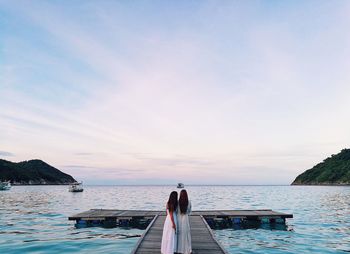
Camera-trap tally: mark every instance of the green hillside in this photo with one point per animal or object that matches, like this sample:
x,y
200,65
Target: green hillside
x,y
32,172
334,170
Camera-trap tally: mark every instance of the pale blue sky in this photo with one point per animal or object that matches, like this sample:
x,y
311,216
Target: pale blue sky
x,y
219,92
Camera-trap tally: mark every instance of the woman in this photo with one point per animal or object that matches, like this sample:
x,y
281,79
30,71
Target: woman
x,y
184,245
169,239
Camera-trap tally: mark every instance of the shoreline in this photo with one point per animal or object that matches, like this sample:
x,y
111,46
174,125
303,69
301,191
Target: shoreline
x,y
54,184
320,184
188,185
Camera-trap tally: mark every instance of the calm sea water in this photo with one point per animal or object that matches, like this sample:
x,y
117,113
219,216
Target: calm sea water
x,y
33,219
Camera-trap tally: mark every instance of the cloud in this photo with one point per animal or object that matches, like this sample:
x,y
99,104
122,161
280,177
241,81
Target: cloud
x,y
6,154
84,154
150,91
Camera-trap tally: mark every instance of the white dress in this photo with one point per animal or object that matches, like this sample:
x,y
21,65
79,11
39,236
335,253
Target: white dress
x,y
169,238
184,244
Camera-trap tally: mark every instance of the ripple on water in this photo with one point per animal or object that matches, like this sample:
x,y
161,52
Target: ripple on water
x,y
34,218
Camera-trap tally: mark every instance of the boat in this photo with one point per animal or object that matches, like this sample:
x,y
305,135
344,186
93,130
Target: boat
x,y
6,185
76,187
180,185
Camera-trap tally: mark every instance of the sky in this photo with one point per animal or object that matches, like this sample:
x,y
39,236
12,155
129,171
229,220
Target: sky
x,y
160,92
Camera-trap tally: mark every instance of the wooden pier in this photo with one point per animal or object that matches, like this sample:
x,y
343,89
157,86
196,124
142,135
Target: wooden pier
x,y
109,214
203,240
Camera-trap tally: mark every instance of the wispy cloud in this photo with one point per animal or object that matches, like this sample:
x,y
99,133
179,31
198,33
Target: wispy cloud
x,y
160,91
84,154
6,154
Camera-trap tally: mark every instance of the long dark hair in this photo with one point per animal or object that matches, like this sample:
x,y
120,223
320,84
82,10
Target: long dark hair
x,y
172,202
183,201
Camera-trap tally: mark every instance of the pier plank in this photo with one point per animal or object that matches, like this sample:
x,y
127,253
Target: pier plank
x,y
105,213
203,241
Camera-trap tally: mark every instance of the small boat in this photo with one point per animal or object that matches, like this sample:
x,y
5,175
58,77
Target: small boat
x,y
180,185
76,187
5,185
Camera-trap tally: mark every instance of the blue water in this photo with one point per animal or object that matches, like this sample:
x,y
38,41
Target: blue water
x,y
33,219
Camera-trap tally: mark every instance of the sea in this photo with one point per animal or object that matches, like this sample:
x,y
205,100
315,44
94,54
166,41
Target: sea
x,y
34,219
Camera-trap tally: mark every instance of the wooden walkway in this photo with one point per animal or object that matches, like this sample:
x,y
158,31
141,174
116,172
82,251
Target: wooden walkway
x,y
203,240
105,214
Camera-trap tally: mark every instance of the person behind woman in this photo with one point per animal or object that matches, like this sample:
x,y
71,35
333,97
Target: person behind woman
x,y
169,238
184,244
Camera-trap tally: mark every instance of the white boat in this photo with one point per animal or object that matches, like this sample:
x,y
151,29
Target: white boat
x,y
5,185
180,185
76,187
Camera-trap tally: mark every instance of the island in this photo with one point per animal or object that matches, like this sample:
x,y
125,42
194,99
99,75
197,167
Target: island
x,y
334,170
32,172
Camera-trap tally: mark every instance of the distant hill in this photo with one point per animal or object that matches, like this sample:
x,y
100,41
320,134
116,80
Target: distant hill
x,y
32,172
334,170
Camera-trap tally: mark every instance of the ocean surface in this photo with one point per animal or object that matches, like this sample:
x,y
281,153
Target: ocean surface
x,y
33,219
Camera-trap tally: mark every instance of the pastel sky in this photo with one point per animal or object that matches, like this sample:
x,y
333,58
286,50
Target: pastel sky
x,y
157,92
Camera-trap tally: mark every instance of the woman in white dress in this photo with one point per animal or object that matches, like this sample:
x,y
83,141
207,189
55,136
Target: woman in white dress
x,y
184,244
169,238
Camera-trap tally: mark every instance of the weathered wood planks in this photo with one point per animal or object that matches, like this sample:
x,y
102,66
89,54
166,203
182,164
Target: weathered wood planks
x,y
151,239
203,240
103,214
